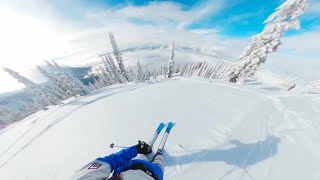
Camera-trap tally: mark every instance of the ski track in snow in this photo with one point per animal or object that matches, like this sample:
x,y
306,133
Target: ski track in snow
x,y
55,122
261,133
34,124
243,169
292,119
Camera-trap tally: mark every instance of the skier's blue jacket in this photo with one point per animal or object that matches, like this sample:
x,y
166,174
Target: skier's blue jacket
x,y
123,160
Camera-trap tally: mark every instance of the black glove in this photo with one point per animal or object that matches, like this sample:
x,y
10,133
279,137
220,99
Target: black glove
x,y
143,148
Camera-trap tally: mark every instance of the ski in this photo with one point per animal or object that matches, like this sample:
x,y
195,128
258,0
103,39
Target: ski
x,y
152,141
163,141
165,136
156,133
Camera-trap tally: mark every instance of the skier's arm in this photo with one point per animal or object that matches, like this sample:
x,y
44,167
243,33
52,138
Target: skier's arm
x,y
102,167
120,158
93,171
123,157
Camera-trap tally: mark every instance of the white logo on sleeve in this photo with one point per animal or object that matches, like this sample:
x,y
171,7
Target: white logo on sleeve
x,y
94,166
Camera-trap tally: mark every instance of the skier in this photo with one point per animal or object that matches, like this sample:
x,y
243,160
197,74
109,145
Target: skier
x,y
124,167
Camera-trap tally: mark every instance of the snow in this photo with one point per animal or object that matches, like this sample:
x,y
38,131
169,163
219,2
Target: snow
x,y
223,131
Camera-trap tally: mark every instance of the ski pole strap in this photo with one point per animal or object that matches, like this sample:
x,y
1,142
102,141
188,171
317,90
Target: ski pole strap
x,y
140,166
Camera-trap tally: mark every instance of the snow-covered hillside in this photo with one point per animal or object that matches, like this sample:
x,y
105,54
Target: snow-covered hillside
x,y
223,131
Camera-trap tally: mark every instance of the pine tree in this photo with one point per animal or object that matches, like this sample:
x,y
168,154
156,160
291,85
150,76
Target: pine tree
x,y
147,74
97,83
8,116
92,86
171,63
216,69
114,69
104,78
55,84
108,70
132,75
268,41
140,74
66,81
154,74
58,79
117,54
183,69
41,96
78,86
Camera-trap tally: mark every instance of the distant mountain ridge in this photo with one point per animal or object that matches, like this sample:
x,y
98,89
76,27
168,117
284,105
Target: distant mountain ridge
x,y
179,47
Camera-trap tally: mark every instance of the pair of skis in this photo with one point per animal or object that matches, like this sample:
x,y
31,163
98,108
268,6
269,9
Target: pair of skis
x,y
155,136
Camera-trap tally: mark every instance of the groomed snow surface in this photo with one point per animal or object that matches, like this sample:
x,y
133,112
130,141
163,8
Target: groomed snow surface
x,y
223,131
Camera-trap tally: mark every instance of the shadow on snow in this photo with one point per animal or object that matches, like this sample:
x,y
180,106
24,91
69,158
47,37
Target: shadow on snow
x,y
240,154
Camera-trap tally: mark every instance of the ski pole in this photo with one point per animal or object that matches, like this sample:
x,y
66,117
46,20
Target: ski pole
x,y
112,145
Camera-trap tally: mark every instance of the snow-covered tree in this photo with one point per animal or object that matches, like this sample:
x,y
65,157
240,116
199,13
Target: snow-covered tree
x,y
202,68
147,74
77,85
92,87
65,80
119,78
117,54
103,77
171,63
140,74
154,74
183,69
41,96
132,75
216,70
97,83
56,80
8,115
111,68
55,84
268,41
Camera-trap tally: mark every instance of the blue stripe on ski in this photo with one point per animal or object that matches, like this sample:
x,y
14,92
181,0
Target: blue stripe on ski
x,y
169,127
156,133
160,127
165,136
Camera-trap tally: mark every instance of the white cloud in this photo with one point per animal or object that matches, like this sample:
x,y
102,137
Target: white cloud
x,y
314,7
168,14
307,43
206,31
298,56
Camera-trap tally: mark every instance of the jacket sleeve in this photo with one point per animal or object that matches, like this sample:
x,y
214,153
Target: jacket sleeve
x,y
120,158
103,166
95,170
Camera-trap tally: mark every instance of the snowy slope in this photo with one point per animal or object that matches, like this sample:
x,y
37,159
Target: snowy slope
x,y
223,131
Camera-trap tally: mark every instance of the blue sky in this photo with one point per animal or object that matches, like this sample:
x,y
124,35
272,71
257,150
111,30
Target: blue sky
x,y
240,18
34,30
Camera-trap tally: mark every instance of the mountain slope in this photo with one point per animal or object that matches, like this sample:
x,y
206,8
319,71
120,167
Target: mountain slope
x,y
223,131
